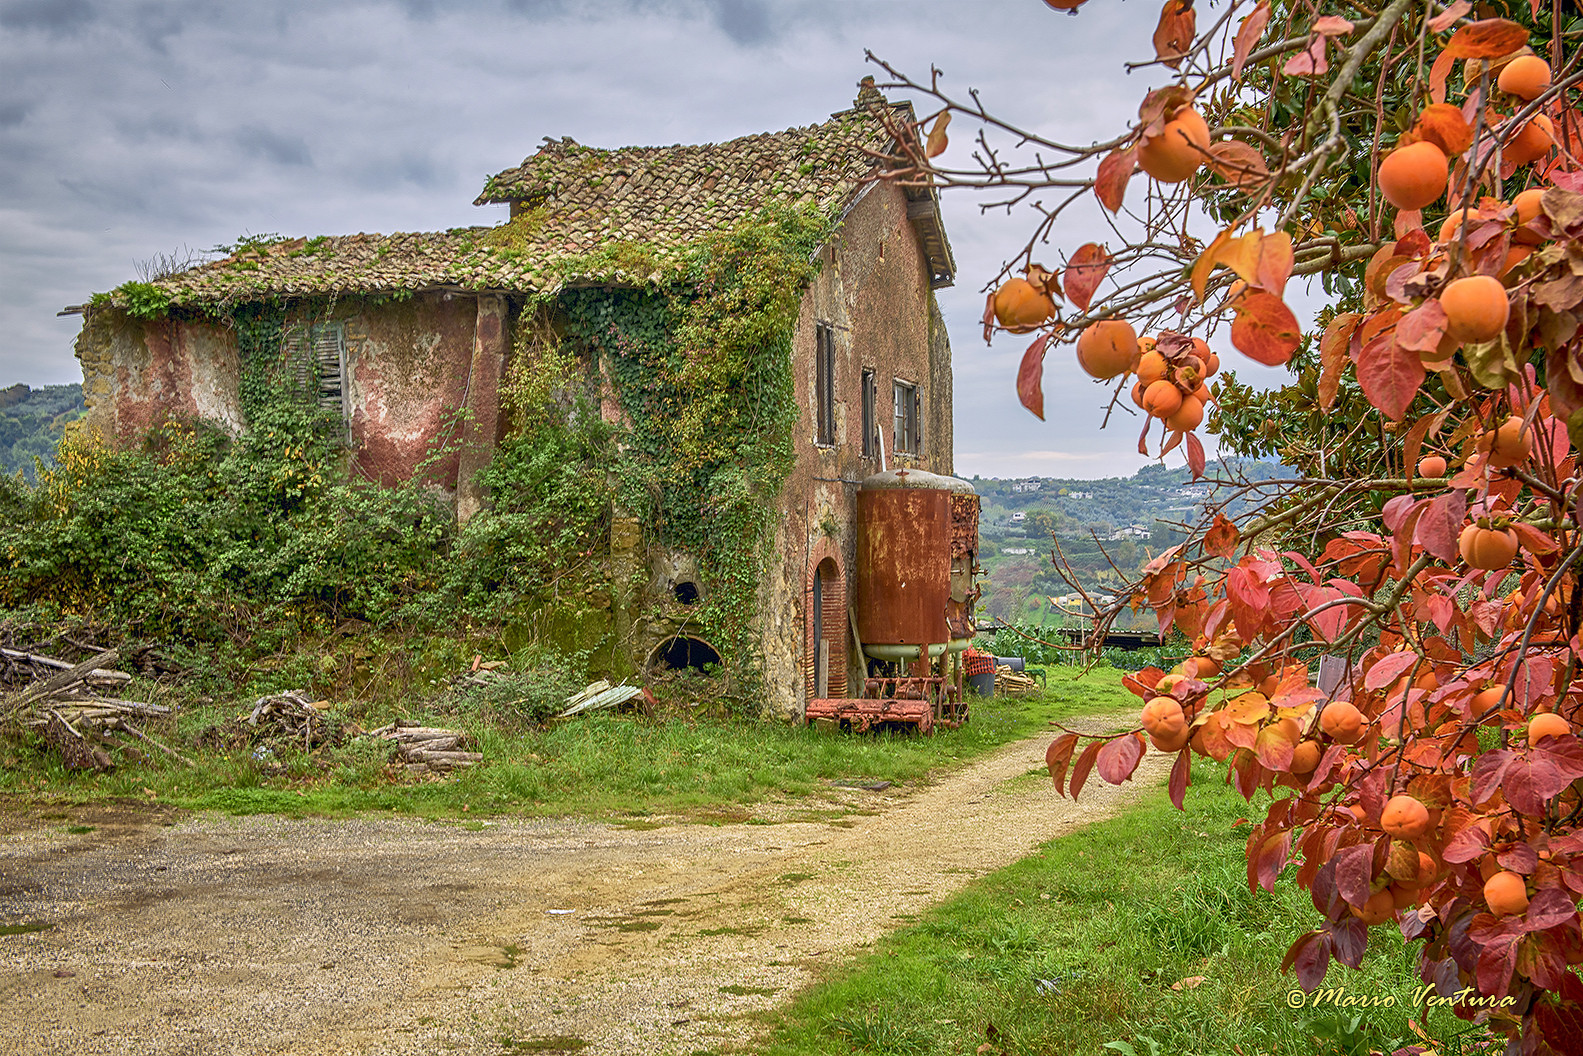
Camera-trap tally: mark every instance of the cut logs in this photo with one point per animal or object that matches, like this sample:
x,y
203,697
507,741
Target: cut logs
x,y
1009,681
58,699
293,715
428,749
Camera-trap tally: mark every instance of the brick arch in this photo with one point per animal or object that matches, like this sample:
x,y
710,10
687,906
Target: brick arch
x,y
828,622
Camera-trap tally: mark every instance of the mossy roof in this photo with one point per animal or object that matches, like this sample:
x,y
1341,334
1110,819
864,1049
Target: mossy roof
x,y
583,216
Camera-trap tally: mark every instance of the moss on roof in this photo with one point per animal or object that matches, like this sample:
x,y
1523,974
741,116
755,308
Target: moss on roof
x,y
583,215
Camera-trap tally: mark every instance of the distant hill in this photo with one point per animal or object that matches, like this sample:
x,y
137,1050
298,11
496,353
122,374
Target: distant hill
x,y
1099,525
31,423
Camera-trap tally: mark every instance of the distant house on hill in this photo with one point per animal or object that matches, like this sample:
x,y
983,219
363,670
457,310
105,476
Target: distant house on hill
x,y
406,336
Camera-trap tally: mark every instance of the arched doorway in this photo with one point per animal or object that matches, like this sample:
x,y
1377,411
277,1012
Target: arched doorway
x,y
681,652
825,662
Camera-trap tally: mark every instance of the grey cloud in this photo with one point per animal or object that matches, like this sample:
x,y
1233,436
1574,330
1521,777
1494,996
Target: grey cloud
x,y
272,146
744,21
13,113
54,16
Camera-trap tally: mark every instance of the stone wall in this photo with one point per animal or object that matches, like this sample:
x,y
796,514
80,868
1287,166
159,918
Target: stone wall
x,y
873,289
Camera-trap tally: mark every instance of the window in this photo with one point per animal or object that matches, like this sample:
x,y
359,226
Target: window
x,y
870,413
315,361
824,384
909,420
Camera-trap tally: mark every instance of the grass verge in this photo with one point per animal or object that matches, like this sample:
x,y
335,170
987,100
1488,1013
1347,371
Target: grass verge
x,y
1137,936
600,764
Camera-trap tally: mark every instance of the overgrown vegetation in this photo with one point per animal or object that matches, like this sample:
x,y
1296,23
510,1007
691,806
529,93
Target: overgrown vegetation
x,y
1135,936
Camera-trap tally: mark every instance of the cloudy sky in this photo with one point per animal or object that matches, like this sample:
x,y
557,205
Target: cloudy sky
x,y
132,129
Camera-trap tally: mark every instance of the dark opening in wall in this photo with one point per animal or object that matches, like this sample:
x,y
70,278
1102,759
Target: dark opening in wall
x,y
687,592
681,652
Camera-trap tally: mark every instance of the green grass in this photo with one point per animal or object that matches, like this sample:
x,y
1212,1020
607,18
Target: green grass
x,y
601,764
1075,950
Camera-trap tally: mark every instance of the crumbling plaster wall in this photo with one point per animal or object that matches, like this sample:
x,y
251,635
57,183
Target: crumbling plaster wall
x,y
139,373
411,367
873,289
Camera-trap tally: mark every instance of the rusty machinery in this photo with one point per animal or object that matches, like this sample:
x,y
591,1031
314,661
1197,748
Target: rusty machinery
x,y
917,543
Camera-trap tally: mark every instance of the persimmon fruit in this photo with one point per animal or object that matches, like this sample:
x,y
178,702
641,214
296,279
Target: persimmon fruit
x,y
1163,717
1379,908
1305,757
1413,176
1526,77
1342,721
1019,307
1162,399
1405,817
1107,348
1476,308
1151,367
1432,466
1178,151
1487,548
1507,893
1532,141
1187,416
1547,724
1507,445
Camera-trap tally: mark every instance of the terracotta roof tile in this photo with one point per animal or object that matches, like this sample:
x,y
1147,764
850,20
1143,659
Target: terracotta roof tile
x,y
570,201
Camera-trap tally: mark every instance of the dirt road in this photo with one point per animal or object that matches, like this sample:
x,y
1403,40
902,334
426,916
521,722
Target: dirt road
x,y
134,929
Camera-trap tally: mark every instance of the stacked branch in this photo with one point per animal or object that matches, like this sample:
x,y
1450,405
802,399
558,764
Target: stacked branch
x,y
428,749
62,701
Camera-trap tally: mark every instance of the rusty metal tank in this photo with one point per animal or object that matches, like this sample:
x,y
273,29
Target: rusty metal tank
x,y
917,538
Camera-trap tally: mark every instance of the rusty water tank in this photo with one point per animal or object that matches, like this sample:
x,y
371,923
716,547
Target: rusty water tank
x,y
917,537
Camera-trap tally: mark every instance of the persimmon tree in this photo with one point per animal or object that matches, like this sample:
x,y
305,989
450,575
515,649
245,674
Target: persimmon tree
x,y
1389,644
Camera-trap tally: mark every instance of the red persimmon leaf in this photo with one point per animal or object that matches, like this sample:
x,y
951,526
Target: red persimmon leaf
x,y
989,317
1441,524
1142,684
1488,772
1444,63
1267,859
1310,62
1265,330
1488,38
1448,18
1057,757
1110,183
1085,270
1333,355
1467,845
1389,669
1530,782
1195,455
1532,539
1421,329
1350,939
938,141
1355,872
1221,539
1248,35
1119,757
1495,966
1550,906
1389,374
1174,34
1397,512
1181,775
1030,377
1085,763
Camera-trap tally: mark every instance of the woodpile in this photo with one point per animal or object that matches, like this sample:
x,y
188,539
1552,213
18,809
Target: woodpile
x,y
428,749
1009,681
291,716
63,702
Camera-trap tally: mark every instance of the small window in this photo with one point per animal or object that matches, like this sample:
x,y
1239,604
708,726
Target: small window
x,y
870,414
824,384
909,424
315,361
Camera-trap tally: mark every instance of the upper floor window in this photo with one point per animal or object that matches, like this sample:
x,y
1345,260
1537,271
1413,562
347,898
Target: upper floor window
x,y
909,418
824,384
870,413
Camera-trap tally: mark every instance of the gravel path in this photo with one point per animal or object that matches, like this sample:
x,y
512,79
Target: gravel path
x,y
162,933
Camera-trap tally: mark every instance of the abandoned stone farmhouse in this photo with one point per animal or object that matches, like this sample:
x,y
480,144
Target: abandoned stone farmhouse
x,y
413,339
